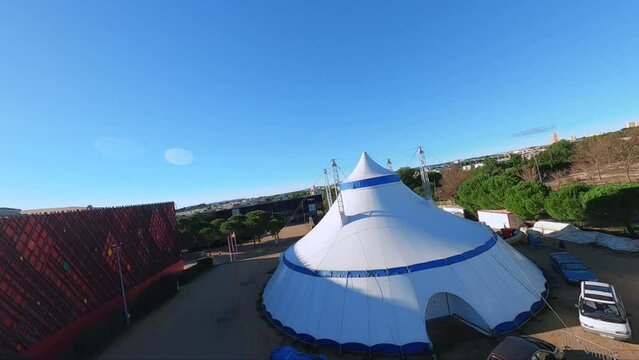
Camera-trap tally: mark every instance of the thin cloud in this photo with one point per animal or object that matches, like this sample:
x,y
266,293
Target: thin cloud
x,y
177,156
534,130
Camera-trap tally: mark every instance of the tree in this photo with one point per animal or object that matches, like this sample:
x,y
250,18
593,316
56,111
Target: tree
x,y
206,236
493,189
187,240
526,199
566,204
491,167
257,222
452,178
592,154
275,225
410,177
470,192
515,162
612,205
625,150
235,224
413,179
556,157
529,173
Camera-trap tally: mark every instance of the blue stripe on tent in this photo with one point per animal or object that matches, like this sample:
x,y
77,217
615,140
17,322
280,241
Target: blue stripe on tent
x,y
327,342
415,347
350,346
410,348
521,318
386,179
355,347
392,271
386,348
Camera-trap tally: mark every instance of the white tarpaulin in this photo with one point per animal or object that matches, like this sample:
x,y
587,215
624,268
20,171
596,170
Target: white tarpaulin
x,y
369,280
569,232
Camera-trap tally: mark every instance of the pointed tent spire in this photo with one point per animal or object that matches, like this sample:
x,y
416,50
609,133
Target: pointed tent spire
x,y
367,168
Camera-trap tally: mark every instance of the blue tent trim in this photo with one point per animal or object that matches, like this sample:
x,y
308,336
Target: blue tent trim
x,y
392,271
409,348
521,318
386,179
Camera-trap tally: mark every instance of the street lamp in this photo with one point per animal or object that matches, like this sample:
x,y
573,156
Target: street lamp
x,y
117,248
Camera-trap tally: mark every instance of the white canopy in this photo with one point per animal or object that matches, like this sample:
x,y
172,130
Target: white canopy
x,y
372,282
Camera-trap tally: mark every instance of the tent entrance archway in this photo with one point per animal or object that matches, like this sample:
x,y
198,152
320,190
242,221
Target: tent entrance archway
x,y
450,319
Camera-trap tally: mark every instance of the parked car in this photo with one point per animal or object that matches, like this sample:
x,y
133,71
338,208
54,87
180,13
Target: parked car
x,y
602,312
525,347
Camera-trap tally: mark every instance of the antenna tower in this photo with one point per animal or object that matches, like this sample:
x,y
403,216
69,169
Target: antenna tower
x,y
423,171
327,187
340,203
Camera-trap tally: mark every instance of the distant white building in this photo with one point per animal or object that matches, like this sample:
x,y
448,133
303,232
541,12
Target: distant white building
x,y
633,124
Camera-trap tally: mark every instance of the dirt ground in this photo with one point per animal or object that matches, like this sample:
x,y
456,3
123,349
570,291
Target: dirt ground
x,y
619,269
217,316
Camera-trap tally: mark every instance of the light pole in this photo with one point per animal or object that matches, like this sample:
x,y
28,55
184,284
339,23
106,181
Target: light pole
x,y
117,248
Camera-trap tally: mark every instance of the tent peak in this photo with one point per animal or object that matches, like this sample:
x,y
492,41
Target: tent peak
x,y
367,168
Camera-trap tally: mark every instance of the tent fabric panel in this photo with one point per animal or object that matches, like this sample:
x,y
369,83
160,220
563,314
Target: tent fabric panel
x,y
315,309
330,323
506,293
407,310
383,327
355,323
303,293
464,310
437,306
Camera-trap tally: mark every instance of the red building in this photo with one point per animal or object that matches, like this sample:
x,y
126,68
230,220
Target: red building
x,y
59,272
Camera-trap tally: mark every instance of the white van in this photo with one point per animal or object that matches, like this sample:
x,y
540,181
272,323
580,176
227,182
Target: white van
x,y
602,312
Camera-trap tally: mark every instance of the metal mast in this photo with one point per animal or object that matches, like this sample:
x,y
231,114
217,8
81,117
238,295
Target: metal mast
x,y
389,165
327,187
424,173
340,203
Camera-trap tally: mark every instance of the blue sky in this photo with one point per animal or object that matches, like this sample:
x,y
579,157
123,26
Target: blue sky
x,y
262,94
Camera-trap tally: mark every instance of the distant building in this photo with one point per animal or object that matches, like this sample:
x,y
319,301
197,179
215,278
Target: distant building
x,y
573,138
4,211
633,124
554,137
309,206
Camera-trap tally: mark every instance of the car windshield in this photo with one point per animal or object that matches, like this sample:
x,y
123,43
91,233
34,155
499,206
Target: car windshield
x,y
606,312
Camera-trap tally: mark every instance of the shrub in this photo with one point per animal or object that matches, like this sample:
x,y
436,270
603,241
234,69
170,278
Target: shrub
x,y
526,199
612,205
566,204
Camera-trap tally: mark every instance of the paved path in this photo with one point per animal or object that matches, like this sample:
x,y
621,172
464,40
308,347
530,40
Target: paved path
x,y
214,317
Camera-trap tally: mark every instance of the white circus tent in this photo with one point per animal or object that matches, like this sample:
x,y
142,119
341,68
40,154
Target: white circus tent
x,y
368,280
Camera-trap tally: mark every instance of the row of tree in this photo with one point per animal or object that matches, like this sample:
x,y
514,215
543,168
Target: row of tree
x,y
198,232
604,205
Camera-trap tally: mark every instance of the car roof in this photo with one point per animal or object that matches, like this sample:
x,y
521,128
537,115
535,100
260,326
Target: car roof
x,y
518,347
598,292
